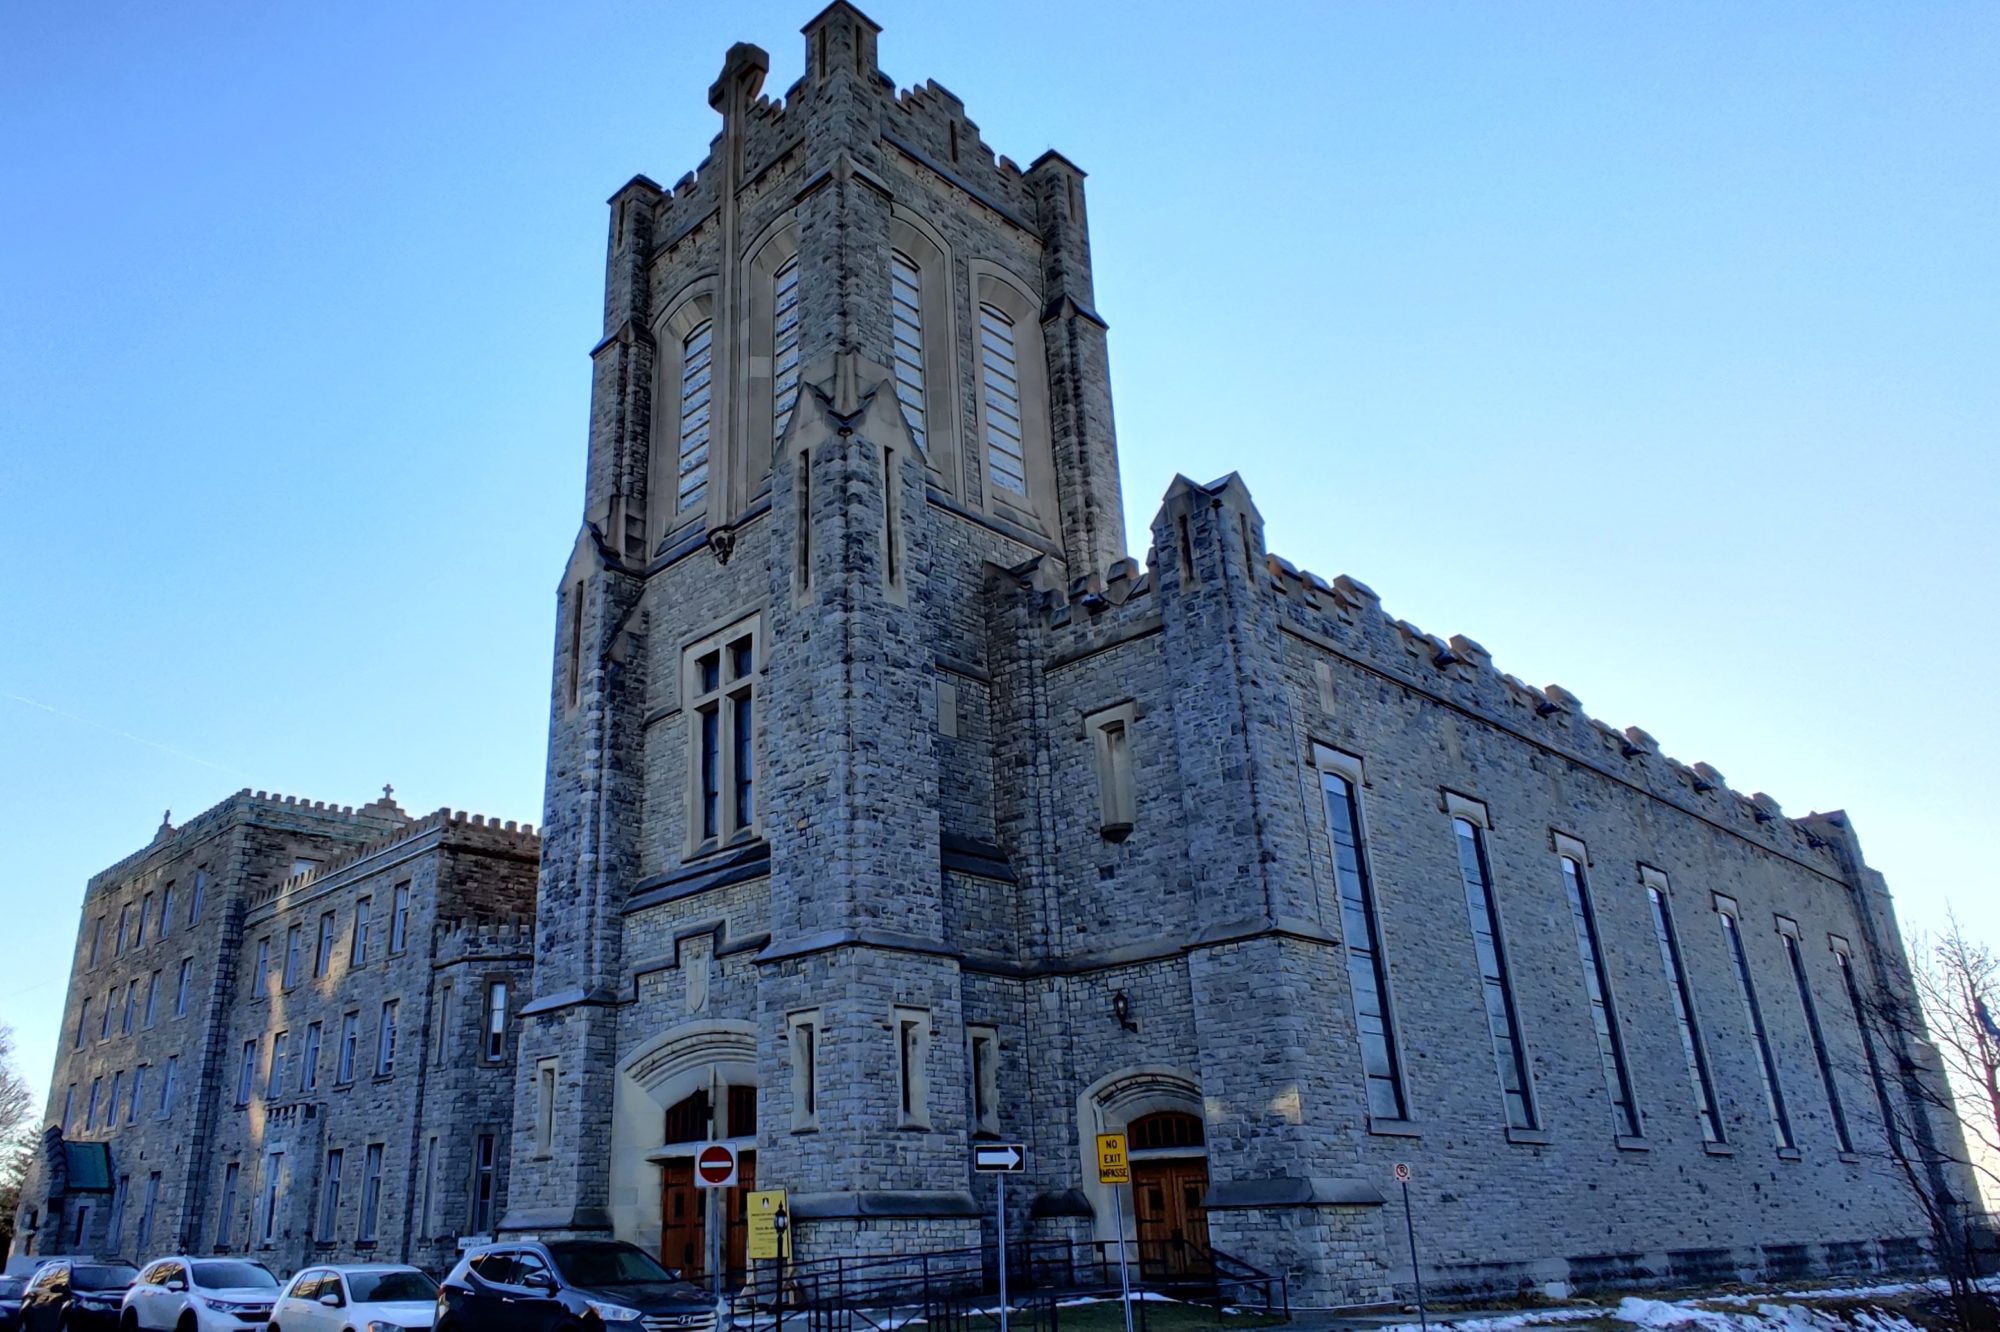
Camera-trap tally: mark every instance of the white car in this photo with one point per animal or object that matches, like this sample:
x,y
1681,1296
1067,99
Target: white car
x,y
364,1297
182,1294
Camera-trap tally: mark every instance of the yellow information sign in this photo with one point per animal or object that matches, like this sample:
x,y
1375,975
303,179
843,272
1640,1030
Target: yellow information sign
x,y
766,1238
1113,1167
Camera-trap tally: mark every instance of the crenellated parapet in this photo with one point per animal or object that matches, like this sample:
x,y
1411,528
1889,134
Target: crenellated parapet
x,y
263,807
1346,617
484,939
451,828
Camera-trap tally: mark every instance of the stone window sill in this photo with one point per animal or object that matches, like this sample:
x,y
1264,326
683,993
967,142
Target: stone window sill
x,y
1851,1158
1718,1149
1529,1137
1627,1143
805,1128
1790,1154
1394,1128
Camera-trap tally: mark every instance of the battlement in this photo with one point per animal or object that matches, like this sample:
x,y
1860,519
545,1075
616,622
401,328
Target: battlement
x,y
1347,615
469,938
246,806
454,828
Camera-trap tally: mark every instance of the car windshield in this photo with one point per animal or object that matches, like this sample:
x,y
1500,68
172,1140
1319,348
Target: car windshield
x,y
391,1287
226,1275
597,1263
106,1277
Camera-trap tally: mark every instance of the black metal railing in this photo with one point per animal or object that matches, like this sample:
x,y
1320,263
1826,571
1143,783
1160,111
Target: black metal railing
x,y
955,1290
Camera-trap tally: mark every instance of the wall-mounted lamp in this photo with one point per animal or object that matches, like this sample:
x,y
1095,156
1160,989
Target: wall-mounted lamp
x,y
1121,1008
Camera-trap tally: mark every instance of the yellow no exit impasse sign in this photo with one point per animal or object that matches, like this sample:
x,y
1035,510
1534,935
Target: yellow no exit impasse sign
x,y
1112,1165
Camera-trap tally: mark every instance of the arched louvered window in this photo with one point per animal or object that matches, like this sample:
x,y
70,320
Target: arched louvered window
x,y
697,396
784,346
906,316
1006,458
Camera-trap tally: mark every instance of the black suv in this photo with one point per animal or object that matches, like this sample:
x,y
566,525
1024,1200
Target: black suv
x,y
75,1295
562,1285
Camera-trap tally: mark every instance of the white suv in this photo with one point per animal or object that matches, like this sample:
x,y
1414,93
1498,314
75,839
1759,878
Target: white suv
x,y
182,1294
361,1297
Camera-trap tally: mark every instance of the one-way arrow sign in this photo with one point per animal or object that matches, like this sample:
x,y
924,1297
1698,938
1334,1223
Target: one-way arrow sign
x,y
995,1158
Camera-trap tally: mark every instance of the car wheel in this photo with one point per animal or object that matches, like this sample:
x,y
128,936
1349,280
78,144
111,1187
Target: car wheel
x,y
187,1323
129,1323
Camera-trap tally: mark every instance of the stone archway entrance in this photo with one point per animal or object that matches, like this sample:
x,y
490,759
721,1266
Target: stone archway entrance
x,y
684,1243
1169,1153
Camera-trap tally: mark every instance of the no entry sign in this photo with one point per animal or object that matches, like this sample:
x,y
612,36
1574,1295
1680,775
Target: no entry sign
x,y
715,1167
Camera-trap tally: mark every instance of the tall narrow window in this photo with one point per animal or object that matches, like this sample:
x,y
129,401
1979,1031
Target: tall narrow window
x,y
117,1095
69,1105
358,954
274,1170
697,416
785,316
545,1107
309,1059
1110,733
1677,984
104,1022
166,910
399,920
124,925
1365,974
985,1043
721,684
182,986
1753,1017
96,939
1603,1018
199,898
260,975
1000,373
280,1048
906,326
496,1021
371,1192
138,1094
385,1041
145,914
120,1194
350,1036
913,1041
482,1184
1835,1111
1498,989
225,1213
329,1195
246,1073
152,1000
323,950
292,952
169,1076
90,1111
576,643
131,1007
1855,1006
146,1212
805,1069
82,1021
426,1216
443,1020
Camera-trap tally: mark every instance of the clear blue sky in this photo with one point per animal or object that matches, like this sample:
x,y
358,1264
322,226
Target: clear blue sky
x,y
1656,347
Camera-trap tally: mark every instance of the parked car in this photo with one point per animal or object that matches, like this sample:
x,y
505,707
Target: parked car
x,y
600,1285
75,1296
182,1294
10,1301
363,1297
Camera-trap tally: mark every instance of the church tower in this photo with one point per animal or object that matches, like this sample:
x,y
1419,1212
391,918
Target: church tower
x,y
849,363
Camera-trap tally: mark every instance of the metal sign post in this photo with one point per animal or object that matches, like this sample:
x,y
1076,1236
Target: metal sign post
x,y
714,1171
1000,1159
1114,1167
1410,1228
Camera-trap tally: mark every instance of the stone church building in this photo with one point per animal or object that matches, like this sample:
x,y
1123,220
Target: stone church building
x,y
893,804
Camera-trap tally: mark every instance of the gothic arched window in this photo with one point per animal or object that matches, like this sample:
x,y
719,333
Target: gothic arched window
x,y
697,400
906,315
784,346
1000,388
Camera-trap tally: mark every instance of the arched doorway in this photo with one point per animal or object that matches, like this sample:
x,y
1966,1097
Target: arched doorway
x,y
684,1243
1169,1154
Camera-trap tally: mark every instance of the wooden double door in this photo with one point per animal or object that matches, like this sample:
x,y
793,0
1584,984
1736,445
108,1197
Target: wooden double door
x,y
684,1220
1172,1223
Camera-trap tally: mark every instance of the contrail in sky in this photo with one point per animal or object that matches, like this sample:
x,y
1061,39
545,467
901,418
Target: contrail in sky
x,y
123,735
